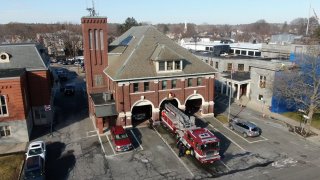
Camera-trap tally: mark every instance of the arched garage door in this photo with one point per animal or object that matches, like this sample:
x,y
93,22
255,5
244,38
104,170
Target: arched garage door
x,y
141,113
193,104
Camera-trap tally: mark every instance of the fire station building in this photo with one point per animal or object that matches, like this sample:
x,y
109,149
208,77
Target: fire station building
x,y
129,80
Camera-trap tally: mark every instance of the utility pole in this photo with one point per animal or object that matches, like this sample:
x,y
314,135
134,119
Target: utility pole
x,y
308,20
230,96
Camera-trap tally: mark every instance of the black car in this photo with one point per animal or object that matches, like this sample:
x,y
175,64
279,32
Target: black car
x,y
69,90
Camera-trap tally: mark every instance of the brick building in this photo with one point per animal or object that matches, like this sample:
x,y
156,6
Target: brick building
x,y
129,81
25,87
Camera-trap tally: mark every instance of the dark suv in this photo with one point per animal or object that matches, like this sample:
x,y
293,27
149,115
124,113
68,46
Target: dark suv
x,y
246,128
34,168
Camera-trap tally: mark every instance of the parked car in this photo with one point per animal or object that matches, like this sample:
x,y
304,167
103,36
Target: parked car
x,y
139,116
246,128
69,89
34,168
37,148
62,75
121,139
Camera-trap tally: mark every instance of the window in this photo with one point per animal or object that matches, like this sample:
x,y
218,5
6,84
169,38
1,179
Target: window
x,y
170,65
96,40
199,81
207,48
39,114
189,82
229,68
231,51
257,53
5,131
173,83
177,65
3,106
101,40
98,80
243,52
250,53
237,51
240,67
146,86
164,84
262,82
217,65
161,66
135,87
90,39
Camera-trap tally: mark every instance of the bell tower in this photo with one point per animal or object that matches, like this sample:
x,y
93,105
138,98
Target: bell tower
x,y
95,46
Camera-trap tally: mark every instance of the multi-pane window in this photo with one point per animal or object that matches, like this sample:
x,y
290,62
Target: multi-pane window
x,y
90,39
39,114
98,80
3,106
146,86
199,81
262,82
5,131
189,82
164,84
177,65
101,40
240,67
135,87
173,83
162,66
229,68
217,65
96,40
169,65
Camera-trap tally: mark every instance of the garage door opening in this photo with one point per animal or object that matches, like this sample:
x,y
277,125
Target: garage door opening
x,y
141,114
193,106
172,101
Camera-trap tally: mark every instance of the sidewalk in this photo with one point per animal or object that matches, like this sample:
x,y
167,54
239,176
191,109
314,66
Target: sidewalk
x,y
9,148
283,119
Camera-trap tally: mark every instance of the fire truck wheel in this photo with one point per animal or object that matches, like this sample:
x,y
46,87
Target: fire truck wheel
x,y
245,135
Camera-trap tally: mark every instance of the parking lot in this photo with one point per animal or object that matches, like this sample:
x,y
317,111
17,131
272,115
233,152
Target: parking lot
x,y
75,151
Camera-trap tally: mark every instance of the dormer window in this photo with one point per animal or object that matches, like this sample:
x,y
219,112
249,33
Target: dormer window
x,y
4,57
169,66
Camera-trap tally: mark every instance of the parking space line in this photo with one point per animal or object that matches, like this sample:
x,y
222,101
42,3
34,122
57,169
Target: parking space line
x,y
104,151
174,152
136,138
229,169
113,155
110,144
264,139
229,139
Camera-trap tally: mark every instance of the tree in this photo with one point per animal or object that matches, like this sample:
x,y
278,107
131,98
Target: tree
x,y
300,86
129,22
163,28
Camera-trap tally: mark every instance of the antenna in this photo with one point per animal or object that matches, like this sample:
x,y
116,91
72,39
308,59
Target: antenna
x,y
92,11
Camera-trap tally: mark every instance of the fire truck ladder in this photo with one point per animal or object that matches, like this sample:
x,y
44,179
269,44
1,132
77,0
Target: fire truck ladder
x,y
184,120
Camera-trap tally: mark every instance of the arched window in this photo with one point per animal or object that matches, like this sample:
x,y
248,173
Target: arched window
x,y
101,40
96,39
90,39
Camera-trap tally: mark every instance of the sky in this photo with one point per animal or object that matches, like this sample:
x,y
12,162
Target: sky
x,y
159,11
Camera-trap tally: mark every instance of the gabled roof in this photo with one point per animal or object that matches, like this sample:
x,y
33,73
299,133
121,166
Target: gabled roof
x,y
28,56
144,45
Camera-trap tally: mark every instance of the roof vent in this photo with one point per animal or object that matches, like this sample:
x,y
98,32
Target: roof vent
x,y
4,57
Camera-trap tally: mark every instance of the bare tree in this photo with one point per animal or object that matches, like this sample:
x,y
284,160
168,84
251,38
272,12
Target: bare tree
x,y
300,86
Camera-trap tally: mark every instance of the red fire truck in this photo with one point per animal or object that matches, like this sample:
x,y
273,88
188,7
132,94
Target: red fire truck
x,y
201,142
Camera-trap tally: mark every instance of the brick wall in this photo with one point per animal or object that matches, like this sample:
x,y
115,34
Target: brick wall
x,y
14,92
39,86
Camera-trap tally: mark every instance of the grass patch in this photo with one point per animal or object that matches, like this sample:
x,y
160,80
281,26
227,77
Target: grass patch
x,y
297,117
10,166
222,118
